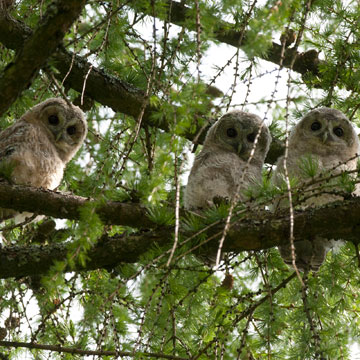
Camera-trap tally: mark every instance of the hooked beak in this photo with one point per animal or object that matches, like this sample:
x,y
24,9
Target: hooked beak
x,y
239,148
324,137
59,135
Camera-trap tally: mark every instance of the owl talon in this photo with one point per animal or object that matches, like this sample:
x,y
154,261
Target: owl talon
x,y
218,201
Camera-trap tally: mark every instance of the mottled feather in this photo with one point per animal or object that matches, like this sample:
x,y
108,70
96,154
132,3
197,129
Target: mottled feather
x,y
328,137
35,149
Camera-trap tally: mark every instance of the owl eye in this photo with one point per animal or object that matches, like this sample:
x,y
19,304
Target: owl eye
x,y
251,137
53,120
71,130
338,131
231,132
9,151
315,126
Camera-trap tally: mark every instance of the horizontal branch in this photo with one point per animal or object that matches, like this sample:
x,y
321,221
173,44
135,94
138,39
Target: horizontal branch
x,y
69,350
63,206
100,86
36,49
225,32
337,220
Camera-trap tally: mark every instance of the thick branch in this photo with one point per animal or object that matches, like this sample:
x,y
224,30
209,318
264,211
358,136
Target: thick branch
x,y
52,203
337,220
36,49
102,87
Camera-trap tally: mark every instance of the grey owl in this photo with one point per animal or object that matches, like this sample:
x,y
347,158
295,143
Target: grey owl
x,y
328,137
218,169
36,148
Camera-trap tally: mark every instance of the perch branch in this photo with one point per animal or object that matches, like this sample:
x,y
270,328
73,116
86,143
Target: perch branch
x,y
63,206
262,230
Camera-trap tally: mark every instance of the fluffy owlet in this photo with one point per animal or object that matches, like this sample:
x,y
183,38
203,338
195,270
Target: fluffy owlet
x,y
218,169
36,148
326,138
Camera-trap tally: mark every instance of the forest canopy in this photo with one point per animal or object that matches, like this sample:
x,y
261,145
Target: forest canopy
x,y
115,269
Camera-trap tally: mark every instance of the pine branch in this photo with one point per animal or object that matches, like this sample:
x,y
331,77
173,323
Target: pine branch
x,y
179,14
68,350
104,88
337,220
36,49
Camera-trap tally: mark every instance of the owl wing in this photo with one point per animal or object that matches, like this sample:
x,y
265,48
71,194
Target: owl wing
x,y
11,139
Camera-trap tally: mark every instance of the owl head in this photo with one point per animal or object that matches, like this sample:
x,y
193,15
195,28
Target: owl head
x,y
324,131
236,132
63,122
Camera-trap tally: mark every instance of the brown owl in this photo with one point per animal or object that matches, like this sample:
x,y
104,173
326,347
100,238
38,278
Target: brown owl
x,y
218,170
328,138
36,148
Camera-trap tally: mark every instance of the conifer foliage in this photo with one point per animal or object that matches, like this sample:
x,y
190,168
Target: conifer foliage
x,y
115,268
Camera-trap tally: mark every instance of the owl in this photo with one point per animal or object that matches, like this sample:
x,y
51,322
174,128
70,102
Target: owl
x,y
36,148
328,138
218,169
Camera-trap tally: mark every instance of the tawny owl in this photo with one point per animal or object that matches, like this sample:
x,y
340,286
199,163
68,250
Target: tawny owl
x,y
218,169
325,137
36,148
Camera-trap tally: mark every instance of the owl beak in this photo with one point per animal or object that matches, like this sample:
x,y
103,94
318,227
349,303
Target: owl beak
x,y
239,148
325,137
58,137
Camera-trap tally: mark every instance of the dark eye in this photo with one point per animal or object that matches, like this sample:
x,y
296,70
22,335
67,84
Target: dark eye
x,y
71,130
251,137
315,126
9,151
53,120
338,131
231,132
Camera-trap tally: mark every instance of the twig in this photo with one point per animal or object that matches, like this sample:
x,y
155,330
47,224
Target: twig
x,y
69,350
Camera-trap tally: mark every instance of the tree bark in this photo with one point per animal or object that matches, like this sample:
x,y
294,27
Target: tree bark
x,y
337,220
36,49
63,206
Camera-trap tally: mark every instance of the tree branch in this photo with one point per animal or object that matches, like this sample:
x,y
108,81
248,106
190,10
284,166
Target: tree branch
x,y
225,32
68,350
58,205
36,49
337,220
104,88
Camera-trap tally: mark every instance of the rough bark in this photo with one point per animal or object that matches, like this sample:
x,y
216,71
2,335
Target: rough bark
x,y
62,206
36,49
103,88
337,220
